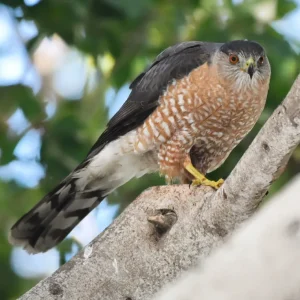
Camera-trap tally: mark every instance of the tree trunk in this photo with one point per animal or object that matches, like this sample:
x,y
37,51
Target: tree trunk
x,y
168,229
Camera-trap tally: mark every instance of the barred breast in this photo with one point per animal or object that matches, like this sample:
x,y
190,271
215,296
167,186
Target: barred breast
x,y
200,114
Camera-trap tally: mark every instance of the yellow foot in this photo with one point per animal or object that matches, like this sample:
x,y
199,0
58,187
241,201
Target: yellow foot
x,y
214,184
200,179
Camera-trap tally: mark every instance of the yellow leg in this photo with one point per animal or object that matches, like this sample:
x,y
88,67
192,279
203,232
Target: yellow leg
x,y
200,179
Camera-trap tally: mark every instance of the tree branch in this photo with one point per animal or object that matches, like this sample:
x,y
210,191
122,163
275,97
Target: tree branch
x,y
168,228
261,260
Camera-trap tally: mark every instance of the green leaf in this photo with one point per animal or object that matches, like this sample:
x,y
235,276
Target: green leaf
x,y
284,7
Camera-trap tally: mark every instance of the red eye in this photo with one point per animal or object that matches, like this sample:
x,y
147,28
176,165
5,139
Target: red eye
x,y
261,60
233,59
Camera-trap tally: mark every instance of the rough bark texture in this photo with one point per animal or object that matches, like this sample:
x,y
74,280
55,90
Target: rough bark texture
x,y
261,261
135,257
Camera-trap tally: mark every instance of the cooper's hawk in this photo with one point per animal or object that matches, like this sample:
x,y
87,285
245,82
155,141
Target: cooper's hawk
x,y
184,116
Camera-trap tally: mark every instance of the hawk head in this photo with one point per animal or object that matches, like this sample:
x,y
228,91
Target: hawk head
x,y
244,63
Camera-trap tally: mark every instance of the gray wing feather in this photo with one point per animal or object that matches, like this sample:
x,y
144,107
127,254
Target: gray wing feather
x,y
173,63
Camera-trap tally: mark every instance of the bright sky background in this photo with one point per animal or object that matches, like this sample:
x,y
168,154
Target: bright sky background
x,y
15,67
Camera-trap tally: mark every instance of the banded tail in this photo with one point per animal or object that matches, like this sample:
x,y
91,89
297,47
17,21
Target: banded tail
x,y
52,219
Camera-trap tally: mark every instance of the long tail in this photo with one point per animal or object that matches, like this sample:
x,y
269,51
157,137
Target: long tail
x,y
52,219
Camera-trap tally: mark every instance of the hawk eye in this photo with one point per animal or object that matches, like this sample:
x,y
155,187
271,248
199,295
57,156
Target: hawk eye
x,y
233,59
261,60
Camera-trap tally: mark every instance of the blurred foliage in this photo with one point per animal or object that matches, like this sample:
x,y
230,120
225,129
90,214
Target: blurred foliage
x,y
131,33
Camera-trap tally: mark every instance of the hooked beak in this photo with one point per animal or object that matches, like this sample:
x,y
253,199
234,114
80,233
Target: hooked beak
x,y
251,70
250,67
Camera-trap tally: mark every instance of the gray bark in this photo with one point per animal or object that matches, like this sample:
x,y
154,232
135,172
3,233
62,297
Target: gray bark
x,y
135,257
260,261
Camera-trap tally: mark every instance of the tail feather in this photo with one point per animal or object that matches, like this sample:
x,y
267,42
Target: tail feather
x,y
53,218
50,221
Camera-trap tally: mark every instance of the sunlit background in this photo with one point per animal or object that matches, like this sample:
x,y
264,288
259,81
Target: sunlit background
x,y
65,69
